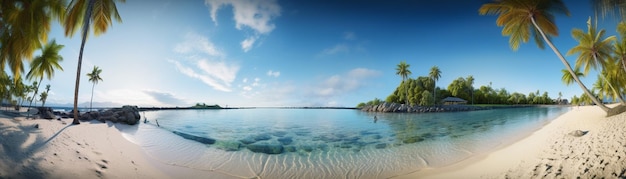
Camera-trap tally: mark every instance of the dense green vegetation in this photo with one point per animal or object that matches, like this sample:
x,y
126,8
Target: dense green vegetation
x,y
419,91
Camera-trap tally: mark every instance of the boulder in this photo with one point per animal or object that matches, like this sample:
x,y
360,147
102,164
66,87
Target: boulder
x,y
204,140
228,145
285,140
267,148
45,113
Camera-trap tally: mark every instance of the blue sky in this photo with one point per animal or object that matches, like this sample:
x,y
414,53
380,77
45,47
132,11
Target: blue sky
x,y
302,53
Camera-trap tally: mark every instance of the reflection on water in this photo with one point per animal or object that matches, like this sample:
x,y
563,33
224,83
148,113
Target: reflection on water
x,y
327,143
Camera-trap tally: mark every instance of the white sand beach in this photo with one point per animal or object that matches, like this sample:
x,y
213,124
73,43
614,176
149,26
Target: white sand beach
x,y
57,149
551,152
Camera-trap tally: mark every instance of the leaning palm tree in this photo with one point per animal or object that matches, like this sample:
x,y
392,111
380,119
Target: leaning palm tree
x,y
523,19
435,74
82,14
24,25
94,77
404,72
45,64
593,51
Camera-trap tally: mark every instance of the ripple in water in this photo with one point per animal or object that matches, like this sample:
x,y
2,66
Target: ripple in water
x,y
328,143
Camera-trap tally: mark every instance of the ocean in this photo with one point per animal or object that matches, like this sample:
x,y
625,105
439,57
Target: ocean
x,y
328,143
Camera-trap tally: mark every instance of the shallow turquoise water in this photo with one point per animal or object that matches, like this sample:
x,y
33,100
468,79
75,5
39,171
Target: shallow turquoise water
x,y
329,143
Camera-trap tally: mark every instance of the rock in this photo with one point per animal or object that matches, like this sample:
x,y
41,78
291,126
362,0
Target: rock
x,y
45,113
262,137
413,139
578,133
204,140
247,140
127,114
267,148
290,148
36,126
285,140
228,145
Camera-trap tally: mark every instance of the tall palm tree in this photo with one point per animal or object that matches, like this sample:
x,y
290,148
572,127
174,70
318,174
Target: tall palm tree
x,y
45,64
523,19
435,74
24,25
94,77
82,14
470,85
404,72
593,50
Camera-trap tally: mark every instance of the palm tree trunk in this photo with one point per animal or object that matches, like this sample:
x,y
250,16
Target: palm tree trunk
x,y
35,94
435,94
80,58
569,68
91,102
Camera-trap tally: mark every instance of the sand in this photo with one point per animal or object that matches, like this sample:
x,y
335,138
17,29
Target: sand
x,y
57,149
551,152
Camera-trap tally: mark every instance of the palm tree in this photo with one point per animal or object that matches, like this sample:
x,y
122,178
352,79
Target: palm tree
x,y
94,77
404,72
568,79
610,8
82,14
435,74
470,85
593,50
619,46
24,24
45,64
523,19
44,95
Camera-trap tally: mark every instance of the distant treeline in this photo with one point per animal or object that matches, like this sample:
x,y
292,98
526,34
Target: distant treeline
x,y
419,91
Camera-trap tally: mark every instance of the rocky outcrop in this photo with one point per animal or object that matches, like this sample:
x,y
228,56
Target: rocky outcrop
x,y
395,107
125,114
45,113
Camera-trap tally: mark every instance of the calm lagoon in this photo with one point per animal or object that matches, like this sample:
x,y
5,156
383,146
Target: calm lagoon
x,y
328,143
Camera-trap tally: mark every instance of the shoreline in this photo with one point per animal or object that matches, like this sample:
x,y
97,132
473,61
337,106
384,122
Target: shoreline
x,y
95,149
549,151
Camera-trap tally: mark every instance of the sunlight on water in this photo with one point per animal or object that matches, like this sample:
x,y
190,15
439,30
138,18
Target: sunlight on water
x,y
328,143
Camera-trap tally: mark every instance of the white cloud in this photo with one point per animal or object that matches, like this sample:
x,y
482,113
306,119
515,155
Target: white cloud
x,y
166,98
336,49
245,80
199,62
217,75
254,14
247,88
194,42
273,73
251,13
246,45
341,84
